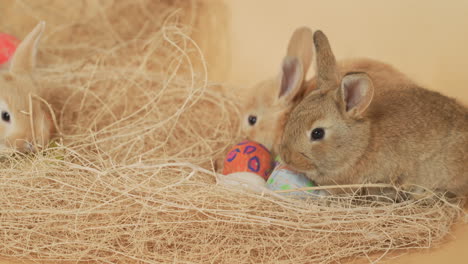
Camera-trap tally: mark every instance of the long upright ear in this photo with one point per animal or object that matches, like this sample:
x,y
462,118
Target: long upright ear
x,y
356,93
301,46
327,74
292,76
24,58
296,63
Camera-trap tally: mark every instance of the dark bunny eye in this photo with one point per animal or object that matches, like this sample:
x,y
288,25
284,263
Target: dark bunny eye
x,y
5,116
317,133
252,120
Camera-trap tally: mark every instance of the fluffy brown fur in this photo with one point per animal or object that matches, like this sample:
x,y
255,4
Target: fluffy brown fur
x,y
377,132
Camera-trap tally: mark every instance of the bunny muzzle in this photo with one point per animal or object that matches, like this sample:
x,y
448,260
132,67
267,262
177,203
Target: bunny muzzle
x,y
297,160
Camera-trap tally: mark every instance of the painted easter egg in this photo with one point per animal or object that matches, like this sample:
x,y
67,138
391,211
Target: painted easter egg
x,y
285,178
249,156
8,46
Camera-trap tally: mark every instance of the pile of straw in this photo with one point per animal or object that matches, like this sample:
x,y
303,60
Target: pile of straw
x,y
130,177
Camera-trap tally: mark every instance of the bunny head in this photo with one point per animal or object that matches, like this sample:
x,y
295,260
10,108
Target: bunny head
x,y
328,129
24,124
267,103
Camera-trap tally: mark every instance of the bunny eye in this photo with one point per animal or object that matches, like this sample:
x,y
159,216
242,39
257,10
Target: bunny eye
x,y
317,133
6,116
252,120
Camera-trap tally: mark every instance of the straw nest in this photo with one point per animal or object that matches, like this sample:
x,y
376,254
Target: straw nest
x,y
130,178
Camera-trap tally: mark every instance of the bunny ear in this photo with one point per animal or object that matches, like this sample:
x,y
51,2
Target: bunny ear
x,y
327,73
356,93
292,76
24,58
296,63
301,45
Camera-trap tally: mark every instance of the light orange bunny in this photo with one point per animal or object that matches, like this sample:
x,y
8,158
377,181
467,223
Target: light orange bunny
x,y
23,125
266,104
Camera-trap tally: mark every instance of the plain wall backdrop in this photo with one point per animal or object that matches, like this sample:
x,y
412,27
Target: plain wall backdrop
x,y
427,40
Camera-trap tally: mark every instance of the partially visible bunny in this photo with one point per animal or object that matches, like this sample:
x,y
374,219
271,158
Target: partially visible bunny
x,y
23,125
268,102
356,129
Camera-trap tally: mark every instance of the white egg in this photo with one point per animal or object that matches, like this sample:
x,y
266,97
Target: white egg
x,y
246,180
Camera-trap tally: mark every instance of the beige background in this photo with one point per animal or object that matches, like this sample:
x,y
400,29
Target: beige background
x,y
428,40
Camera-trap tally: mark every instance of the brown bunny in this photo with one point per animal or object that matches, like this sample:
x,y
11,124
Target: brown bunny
x,y
358,129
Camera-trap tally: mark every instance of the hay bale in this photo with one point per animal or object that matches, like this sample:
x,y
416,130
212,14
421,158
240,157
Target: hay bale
x,y
130,179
